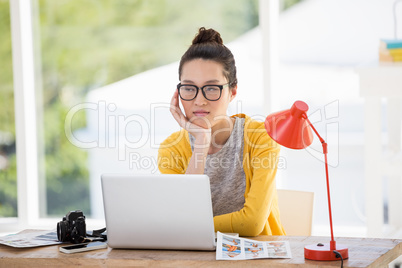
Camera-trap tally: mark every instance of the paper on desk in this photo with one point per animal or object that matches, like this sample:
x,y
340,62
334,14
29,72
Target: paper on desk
x,y
30,238
237,248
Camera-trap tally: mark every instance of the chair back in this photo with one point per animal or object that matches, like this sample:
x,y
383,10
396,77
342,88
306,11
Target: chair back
x,y
296,210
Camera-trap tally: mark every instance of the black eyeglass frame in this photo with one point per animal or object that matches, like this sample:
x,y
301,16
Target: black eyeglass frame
x,y
202,90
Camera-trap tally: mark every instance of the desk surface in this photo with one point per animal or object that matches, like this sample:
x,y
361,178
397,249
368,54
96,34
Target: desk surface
x,y
363,252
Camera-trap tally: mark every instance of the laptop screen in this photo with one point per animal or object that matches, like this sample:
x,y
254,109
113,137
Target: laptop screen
x,y
158,211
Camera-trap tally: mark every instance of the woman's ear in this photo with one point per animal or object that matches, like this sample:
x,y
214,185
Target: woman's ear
x,y
233,92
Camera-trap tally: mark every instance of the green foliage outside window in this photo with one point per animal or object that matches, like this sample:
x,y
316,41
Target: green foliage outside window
x,y
285,4
8,173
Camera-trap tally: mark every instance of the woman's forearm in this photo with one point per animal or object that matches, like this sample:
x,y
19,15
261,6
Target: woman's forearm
x,y
199,157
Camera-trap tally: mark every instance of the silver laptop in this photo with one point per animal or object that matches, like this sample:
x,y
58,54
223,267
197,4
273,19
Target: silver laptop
x,y
158,211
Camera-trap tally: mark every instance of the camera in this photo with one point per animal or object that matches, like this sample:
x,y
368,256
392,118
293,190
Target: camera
x,y
72,228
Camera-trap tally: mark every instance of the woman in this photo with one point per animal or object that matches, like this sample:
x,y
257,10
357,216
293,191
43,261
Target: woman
x,y
234,151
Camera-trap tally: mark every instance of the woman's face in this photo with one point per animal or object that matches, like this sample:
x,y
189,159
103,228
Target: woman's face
x,y
200,111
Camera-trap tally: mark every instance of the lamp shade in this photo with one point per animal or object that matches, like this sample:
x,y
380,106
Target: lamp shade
x,y
290,128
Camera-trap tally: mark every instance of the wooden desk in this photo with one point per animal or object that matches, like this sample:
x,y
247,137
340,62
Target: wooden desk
x,y
363,252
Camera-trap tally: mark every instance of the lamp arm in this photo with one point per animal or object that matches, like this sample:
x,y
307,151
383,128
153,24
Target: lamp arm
x,y
315,131
325,151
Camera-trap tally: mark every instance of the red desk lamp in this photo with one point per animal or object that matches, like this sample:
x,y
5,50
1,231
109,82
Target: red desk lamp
x,y
291,128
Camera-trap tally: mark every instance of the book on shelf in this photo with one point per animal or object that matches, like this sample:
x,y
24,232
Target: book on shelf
x,y
396,52
390,43
388,58
390,50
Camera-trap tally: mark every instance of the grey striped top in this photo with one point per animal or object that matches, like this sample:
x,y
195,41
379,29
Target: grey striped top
x,y
225,170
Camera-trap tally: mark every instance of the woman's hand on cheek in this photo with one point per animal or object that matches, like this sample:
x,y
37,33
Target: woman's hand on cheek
x,y
202,135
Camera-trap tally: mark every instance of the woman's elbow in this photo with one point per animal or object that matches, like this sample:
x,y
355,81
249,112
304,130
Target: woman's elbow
x,y
252,229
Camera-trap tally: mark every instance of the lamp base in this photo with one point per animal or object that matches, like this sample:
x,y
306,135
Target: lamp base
x,y
323,252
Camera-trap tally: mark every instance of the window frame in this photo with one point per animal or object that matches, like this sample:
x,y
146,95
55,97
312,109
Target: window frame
x,y
25,116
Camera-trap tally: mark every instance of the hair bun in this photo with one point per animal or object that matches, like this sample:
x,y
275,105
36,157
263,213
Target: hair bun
x,y
207,36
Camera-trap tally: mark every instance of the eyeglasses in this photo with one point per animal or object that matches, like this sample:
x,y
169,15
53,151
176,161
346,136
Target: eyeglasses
x,y
210,92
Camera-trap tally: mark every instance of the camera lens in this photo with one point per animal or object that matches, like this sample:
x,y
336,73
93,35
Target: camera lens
x,y
62,231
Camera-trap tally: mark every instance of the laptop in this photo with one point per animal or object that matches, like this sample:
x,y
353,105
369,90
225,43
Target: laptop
x,y
158,211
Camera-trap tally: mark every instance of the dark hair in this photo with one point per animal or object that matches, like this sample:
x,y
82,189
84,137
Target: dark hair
x,y
208,45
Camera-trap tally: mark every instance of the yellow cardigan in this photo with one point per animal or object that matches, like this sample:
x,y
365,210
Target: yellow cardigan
x,y
260,214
